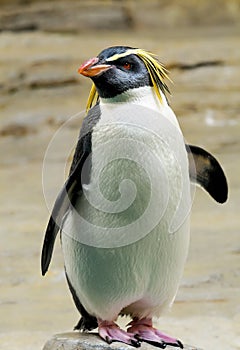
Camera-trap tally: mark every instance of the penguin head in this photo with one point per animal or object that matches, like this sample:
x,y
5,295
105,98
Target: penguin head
x,y
112,75
119,69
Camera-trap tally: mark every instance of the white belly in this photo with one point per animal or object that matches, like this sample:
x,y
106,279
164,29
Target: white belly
x,y
125,245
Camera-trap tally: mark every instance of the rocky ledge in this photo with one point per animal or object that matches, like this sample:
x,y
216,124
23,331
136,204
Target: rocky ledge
x,y
91,341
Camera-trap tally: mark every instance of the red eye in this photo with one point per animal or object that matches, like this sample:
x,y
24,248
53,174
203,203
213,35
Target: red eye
x,y
127,65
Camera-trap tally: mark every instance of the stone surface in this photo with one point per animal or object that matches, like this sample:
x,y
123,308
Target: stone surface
x,y
80,341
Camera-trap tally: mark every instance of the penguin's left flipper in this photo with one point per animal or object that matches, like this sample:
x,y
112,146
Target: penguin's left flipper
x,y
72,189
206,171
61,206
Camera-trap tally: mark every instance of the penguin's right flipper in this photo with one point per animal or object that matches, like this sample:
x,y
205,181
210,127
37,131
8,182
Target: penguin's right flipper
x,y
206,171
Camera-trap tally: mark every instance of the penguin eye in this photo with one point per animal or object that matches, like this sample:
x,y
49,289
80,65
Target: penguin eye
x,y
127,66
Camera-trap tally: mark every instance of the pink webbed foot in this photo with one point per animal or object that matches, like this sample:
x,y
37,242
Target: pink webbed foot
x,y
144,331
110,332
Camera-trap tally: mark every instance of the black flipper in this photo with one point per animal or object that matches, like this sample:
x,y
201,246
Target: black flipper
x,y
73,186
64,200
86,322
205,170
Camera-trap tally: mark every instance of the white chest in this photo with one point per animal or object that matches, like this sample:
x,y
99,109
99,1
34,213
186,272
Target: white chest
x,y
139,174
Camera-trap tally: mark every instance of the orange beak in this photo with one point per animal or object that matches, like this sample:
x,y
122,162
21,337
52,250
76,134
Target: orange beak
x,y
88,68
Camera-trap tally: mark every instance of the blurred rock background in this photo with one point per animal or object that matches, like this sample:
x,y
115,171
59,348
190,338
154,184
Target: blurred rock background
x,y
42,44
76,16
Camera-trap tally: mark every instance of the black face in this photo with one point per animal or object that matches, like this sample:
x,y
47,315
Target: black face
x,y
126,73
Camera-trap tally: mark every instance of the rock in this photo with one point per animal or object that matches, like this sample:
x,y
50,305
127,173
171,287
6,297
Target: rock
x,y
91,341
81,16
17,129
75,16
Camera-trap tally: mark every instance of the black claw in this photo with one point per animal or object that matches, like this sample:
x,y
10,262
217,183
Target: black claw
x,y
161,345
178,344
136,343
108,340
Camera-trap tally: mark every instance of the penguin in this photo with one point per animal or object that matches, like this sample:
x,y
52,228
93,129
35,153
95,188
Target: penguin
x,y
126,256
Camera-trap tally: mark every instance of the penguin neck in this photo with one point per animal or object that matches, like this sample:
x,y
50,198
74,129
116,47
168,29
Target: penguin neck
x,y
143,96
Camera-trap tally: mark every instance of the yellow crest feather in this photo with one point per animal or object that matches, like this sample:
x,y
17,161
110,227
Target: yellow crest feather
x,y
93,96
155,69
